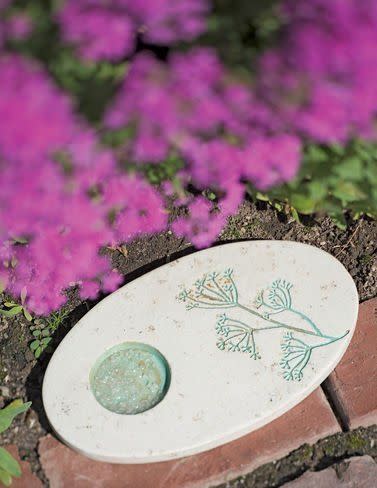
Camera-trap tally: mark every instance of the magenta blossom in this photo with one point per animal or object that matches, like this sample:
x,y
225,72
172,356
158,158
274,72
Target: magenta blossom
x,y
37,118
108,30
62,197
191,96
19,26
202,226
320,80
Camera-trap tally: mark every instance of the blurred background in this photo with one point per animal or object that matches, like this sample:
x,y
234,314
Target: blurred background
x,y
123,118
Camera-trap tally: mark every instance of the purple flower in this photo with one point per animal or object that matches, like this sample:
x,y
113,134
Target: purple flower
x,y
222,131
36,117
202,226
101,31
138,208
108,30
270,160
62,194
215,163
320,79
169,105
19,26
165,22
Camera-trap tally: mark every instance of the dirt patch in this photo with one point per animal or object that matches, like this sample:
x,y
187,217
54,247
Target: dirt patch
x,y
21,374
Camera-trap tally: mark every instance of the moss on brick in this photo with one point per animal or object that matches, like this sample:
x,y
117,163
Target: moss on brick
x,y
357,442
324,453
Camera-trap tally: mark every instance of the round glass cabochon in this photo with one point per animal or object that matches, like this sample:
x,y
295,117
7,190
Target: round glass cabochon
x,y
130,378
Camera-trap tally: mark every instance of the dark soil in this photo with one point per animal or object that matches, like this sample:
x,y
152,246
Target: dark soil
x,y
21,374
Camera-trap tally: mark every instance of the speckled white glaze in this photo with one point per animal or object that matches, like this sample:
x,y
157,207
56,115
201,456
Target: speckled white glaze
x,y
215,395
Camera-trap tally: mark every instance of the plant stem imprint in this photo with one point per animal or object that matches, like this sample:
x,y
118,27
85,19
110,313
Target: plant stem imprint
x,y
215,291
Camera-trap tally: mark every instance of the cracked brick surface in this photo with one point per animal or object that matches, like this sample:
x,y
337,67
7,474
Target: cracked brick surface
x,y
360,472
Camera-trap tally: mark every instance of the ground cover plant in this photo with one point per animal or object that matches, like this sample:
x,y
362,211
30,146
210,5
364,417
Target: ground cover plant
x,y
9,467
113,113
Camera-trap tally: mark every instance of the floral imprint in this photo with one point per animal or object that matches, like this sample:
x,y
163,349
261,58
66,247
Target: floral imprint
x,y
219,291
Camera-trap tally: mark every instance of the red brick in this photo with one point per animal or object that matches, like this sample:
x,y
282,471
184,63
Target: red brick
x,y
309,421
358,471
353,384
27,479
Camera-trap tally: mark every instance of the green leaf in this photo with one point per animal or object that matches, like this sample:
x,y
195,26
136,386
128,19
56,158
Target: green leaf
x,y
8,413
5,478
350,169
303,204
295,215
337,149
347,192
38,352
27,315
339,220
12,312
10,304
46,341
262,197
8,463
37,333
34,345
317,190
317,154
45,332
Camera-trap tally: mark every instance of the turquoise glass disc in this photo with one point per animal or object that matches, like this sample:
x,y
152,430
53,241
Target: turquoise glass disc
x,y
130,378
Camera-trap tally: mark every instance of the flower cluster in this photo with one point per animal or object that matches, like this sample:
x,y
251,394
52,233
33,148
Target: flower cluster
x,y
17,26
109,30
193,106
318,84
62,197
177,103
321,78
36,116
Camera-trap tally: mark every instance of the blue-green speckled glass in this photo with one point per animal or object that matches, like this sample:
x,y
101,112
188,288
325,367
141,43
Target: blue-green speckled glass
x,y
130,378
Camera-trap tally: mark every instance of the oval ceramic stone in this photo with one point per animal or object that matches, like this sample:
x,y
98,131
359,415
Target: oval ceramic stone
x,y
248,330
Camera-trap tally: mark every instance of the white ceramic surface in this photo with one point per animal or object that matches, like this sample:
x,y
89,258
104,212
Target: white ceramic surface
x,y
222,387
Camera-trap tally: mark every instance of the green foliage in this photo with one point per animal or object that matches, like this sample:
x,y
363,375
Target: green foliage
x,y
167,170
9,467
242,28
11,308
91,84
332,180
42,331
117,138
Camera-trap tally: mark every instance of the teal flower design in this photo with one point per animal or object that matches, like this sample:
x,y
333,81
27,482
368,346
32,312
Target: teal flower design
x,y
296,355
218,291
213,290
